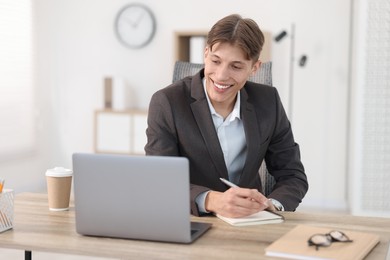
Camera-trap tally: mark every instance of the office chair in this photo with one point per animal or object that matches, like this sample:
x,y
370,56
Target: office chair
x,y
183,69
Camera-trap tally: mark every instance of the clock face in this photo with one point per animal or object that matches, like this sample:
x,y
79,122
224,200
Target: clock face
x,y
135,25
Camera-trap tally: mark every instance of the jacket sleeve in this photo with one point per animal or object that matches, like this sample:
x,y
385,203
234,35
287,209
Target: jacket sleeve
x,y
284,162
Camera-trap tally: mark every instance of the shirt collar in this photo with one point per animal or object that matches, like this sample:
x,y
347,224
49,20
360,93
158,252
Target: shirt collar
x,y
236,109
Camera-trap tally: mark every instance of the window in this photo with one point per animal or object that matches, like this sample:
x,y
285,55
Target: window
x,y
17,135
370,146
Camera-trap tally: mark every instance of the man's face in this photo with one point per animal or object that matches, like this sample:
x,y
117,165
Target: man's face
x,y
226,71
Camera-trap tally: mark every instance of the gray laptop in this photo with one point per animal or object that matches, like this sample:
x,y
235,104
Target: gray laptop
x,y
135,197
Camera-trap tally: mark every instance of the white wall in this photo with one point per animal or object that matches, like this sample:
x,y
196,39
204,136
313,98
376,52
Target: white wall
x,y
77,48
320,109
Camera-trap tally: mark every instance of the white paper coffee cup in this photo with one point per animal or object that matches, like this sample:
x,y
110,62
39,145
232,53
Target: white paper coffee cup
x,y
59,183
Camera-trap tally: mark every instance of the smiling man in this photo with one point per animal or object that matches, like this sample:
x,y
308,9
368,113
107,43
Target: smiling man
x,y
226,125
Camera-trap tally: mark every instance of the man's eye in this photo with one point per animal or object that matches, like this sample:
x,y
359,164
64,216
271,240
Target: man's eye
x,y
215,61
237,67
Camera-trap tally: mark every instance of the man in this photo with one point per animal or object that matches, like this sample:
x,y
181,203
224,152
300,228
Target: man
x,y
226,125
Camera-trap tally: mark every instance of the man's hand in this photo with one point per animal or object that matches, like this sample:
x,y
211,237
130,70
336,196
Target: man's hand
x,y
236,202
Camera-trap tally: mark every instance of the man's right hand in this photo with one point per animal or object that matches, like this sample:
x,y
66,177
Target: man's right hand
x,y
236,202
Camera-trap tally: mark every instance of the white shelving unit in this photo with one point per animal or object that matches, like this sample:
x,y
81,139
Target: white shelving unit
x,y
120,132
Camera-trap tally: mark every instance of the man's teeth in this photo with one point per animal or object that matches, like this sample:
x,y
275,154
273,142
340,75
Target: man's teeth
x,y
221,86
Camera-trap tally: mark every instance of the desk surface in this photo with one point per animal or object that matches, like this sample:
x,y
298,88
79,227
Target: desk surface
x,y
38,229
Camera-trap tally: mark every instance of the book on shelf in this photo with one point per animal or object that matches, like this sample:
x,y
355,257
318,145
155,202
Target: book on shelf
x,y
259,218
294,245
197,45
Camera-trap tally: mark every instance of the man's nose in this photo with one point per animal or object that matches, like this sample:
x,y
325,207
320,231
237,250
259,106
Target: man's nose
x,y
222,73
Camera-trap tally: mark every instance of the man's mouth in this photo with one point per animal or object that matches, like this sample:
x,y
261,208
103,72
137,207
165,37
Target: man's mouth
x,y
220,86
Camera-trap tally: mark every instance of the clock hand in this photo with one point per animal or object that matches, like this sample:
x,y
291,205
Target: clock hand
x,y
135,23
138,20
132,24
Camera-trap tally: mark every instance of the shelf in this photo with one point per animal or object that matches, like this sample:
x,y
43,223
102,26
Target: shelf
x,y
120,132
183,43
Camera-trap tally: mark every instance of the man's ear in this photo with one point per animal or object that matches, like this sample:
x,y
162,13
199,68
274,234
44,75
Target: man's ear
x,y
206,52
256,67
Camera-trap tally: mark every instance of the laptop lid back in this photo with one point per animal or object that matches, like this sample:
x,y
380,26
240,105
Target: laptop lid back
x,y
136,197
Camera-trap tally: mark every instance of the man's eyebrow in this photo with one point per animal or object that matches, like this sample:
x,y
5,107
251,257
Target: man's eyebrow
x,y
235,61
215,55
239,62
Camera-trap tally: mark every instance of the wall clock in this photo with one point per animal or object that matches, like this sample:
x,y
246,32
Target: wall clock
x,y
135,25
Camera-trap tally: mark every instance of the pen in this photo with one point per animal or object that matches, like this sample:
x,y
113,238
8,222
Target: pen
x,y
231,184
228,183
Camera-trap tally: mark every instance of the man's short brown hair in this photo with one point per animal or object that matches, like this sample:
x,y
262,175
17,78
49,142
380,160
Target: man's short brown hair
x,y
245,33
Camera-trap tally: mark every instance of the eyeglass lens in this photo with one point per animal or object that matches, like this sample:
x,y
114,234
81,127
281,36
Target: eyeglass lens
x,y
318,240
339,236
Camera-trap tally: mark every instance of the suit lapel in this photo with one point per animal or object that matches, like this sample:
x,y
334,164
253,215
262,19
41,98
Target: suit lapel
x,y
252,135
203,119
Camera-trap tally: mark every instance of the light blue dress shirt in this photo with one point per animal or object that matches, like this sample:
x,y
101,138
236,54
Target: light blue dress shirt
x,y
231,137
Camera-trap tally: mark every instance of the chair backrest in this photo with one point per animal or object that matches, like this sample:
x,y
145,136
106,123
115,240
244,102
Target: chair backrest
x,y
183,69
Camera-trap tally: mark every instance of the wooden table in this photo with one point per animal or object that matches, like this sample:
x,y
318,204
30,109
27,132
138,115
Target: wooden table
x,y
38,229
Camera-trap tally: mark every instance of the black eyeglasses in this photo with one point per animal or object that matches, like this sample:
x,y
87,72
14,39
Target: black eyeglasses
x,y
319,240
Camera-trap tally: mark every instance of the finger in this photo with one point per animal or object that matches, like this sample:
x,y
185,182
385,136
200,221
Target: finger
x,y
239,211
271,206
238,200
237,204
251,194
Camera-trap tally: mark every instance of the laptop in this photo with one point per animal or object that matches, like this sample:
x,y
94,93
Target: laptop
x,y
134,197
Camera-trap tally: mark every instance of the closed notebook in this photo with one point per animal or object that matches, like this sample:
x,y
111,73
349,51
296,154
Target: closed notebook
x,y
294,245
259,218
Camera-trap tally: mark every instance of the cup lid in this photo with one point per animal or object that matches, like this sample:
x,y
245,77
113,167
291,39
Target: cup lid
x,y
59,172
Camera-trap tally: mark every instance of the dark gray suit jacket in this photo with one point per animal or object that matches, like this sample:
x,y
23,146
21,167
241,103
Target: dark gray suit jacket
x,y
180,124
